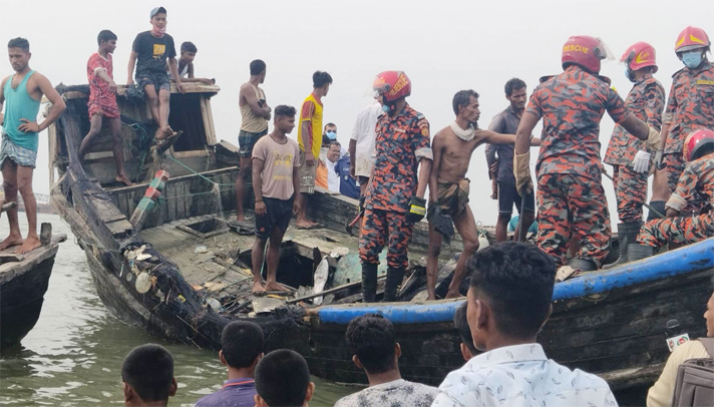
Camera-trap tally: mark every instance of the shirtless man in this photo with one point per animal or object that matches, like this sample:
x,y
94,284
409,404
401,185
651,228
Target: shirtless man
x,y
449,187
22,93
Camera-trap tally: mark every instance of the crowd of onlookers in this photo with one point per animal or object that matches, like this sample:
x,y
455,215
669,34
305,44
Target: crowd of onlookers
x,y
508,302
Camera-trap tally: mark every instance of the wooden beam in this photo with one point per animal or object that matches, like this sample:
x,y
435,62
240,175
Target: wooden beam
x,y
331,290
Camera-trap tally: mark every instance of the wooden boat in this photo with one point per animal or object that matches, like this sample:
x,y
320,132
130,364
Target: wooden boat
x,y
23,282
180,270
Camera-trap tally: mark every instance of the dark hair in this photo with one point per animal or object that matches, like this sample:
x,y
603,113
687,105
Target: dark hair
x,y
335,143
188,46
514,84
462,325
281,378
149,370
257,67
462,98
319,79
19,42
283,110
371,338
105,35
330,125
241,343
518,280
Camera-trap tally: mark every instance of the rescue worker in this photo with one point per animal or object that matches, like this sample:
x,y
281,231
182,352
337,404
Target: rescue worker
x,y
697,178
395,194
570,198
691,101
631,159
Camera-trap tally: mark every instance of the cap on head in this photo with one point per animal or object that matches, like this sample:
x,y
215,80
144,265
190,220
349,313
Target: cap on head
x,y
392,85
691,38
640,55
584,51
697,143
156,11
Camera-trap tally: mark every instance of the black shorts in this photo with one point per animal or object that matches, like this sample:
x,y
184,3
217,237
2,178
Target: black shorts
x,y
160,80
278,215
247,140
508,196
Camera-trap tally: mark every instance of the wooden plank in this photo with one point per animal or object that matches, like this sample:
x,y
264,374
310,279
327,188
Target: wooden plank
x,y
208,120
193,153
142,186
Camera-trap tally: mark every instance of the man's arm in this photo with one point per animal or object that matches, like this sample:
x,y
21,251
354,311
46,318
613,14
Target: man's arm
x,y
353,158
251,99
190,71
51,94
130,68
525,129
296,189
2,99
258,165
102,73
437,148
636,127
497,138
425,165
173,67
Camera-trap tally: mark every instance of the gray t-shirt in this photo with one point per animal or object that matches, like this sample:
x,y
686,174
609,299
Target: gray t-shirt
x,y
280,160
505,122
399,393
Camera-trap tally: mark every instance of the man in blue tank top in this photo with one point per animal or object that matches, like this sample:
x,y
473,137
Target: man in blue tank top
x,y
21,94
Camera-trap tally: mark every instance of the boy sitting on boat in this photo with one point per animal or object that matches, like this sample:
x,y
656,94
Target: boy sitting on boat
x,y
696,180
185,65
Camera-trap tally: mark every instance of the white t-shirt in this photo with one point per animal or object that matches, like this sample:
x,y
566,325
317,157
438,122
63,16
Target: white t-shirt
x,y
333,179
364,133
396,393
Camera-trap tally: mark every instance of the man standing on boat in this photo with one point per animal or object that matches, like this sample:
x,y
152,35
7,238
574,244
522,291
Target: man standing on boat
x,y
275,182
395,195
691,101
149,53
697,180
21,94
631,159
453,147
255,113
571,200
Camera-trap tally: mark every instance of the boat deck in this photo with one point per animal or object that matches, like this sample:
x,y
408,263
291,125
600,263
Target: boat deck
x,y
12,264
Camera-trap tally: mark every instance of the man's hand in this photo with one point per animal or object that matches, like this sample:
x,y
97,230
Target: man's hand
x,y
296,207
179,87
309,158
353,171
28,126
130,81
641,163
2,118
658,160
417,210
112,87
262,210
494,189
206,81
522,173
267,115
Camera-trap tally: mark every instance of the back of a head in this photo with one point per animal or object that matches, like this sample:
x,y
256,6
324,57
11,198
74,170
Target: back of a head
x,y
517,279
257,67
149,370
241,343
19,42
462,325
282,378
319,79
372,339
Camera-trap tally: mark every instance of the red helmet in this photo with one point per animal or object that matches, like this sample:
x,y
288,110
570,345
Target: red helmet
x,y
691,38
696,142
587,52
392,85
640,55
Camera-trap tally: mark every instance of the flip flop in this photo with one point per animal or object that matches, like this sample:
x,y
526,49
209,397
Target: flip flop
x,y
165,144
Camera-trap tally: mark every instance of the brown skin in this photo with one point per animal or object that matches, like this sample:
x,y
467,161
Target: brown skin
x,y
302,222
283,126
465,352
158,103
518,99
333,154
709,317
248,97
16,177
376,379
239,373
114,123
132,399
187,59
485,332
451,162
259,402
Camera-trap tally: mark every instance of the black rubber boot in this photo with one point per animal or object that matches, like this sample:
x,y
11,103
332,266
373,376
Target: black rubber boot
x,y
639,251
582,265
369,282
659,206
627,233
394,280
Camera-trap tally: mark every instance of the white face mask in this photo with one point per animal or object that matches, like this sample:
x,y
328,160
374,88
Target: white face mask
x,y
465,135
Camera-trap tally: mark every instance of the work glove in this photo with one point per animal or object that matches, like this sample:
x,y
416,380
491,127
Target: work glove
x,y
653,139
641,163
522,173
658,160
417,209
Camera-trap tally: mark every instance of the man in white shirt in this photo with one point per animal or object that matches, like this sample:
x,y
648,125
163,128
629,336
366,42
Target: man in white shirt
x,y
333,178
371,339
362,144
508,302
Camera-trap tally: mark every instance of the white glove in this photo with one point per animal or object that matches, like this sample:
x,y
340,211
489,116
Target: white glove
x,y
641,163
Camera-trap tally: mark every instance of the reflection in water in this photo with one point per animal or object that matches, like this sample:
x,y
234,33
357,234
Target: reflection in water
x,y
73,355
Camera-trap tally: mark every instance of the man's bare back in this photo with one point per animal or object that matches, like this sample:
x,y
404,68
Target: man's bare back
x,y
455,154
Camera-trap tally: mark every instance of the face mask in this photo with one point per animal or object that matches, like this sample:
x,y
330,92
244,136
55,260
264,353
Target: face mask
x,y
692,59
386,108
159,32
628,74
331,135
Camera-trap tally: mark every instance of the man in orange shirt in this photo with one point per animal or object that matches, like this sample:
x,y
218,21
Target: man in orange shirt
x,y
310,141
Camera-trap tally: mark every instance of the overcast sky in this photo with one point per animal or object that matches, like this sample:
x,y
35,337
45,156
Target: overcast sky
x,y
444,46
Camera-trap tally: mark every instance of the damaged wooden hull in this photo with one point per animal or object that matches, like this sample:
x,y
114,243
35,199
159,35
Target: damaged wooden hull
x,y
611,323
